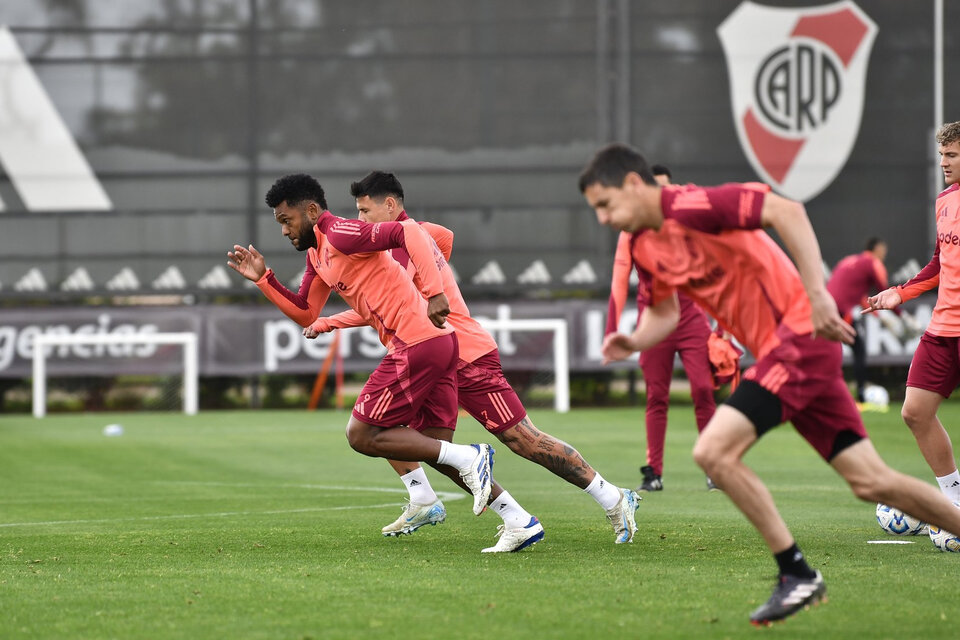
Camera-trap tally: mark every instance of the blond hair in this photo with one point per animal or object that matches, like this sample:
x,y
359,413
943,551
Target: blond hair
x,y
948,133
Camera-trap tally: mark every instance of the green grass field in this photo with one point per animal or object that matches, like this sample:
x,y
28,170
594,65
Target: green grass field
x,y
266,525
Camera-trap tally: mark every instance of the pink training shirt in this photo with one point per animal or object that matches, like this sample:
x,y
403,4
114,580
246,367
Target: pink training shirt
x,y
690,313
473,339
711,248
854,278
351,257
943,270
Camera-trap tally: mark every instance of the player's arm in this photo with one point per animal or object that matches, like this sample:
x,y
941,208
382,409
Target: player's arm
x,y
619,282
301,307
325,324
928,278
790,220
657,321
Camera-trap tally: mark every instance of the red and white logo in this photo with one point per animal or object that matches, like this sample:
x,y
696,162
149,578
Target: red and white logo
x,y
797,86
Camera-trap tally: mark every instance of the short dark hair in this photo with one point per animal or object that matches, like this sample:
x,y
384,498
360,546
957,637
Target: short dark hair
x,y
611,164
377,185
295,189
873,242
661,170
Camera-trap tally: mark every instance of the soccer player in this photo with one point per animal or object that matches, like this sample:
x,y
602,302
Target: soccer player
x,y
689,340
855,277
417,378
708,243
935,369
485,394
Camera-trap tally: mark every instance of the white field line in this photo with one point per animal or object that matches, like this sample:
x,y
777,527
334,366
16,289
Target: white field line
x,y
228,514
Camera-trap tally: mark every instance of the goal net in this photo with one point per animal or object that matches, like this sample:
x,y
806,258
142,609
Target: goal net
x,y
147,370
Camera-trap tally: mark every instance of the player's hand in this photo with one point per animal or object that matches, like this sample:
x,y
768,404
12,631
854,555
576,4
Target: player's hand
x,y
320,325
617,346
438,308
248,262
886,299
827,322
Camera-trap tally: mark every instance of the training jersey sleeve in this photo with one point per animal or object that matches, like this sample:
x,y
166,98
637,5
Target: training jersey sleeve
x,y
355,236
619,282
343,320
302,307
442,236
733,205
928,278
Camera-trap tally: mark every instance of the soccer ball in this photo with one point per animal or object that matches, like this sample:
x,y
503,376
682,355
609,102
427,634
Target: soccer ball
x,y
899,523
877,396
944,540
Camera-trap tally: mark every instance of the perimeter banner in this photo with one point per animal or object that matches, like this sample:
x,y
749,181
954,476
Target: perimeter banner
x,y
252,340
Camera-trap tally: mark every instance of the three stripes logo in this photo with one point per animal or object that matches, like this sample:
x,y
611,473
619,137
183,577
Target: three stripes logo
x,y
37,150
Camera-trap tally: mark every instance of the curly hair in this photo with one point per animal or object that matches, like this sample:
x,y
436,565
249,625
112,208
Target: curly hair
x,y
948,133
295,189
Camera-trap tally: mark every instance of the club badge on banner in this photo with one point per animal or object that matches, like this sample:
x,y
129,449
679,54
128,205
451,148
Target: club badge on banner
x,y
797,87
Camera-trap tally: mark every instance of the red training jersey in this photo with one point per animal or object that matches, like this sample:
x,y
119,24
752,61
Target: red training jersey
x,y
854,278
690,313
712,248
943,270
351,257
474,341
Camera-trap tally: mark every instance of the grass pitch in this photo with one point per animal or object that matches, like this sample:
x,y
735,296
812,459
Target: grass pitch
x,y
266,525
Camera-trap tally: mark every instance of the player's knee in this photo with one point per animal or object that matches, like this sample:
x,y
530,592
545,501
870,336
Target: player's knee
x,y
913,416
658,398
358,436
705,456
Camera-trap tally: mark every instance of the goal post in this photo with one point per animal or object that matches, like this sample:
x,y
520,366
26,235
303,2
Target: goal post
x,y
560,347
44,342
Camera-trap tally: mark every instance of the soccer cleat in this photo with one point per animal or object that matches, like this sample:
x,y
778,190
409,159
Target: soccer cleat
x,y
711,485
789,596
478,476
623,516
515,539
415,516
651,481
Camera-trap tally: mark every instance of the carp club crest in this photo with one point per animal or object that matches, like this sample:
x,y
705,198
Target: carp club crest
x,y
797,86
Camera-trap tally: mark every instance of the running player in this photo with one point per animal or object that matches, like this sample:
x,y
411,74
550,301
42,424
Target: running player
x,y
417,378
708,243
485,394
689,340
935,370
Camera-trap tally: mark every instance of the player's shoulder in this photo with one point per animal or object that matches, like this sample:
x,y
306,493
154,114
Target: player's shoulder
x,y
952,189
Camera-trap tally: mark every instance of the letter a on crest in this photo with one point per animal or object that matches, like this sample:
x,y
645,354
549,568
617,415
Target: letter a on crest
x,y
797,86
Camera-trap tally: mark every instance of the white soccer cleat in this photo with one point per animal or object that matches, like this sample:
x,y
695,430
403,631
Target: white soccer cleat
x,y
623,516
515,539
415,516
478,476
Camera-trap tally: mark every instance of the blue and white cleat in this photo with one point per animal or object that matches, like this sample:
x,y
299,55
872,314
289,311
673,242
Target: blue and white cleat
x,y
415,516
478,476
516,539
623,516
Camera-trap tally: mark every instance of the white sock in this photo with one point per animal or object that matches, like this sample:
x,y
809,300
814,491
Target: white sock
x,y
606,494
514,516
456,455
950,485
419,487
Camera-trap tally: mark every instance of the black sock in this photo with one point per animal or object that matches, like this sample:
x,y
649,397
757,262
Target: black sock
x,y
792,562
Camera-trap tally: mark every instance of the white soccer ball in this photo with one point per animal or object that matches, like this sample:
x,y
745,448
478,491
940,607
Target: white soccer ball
x,y
876,395
944,540
899,523
113,430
